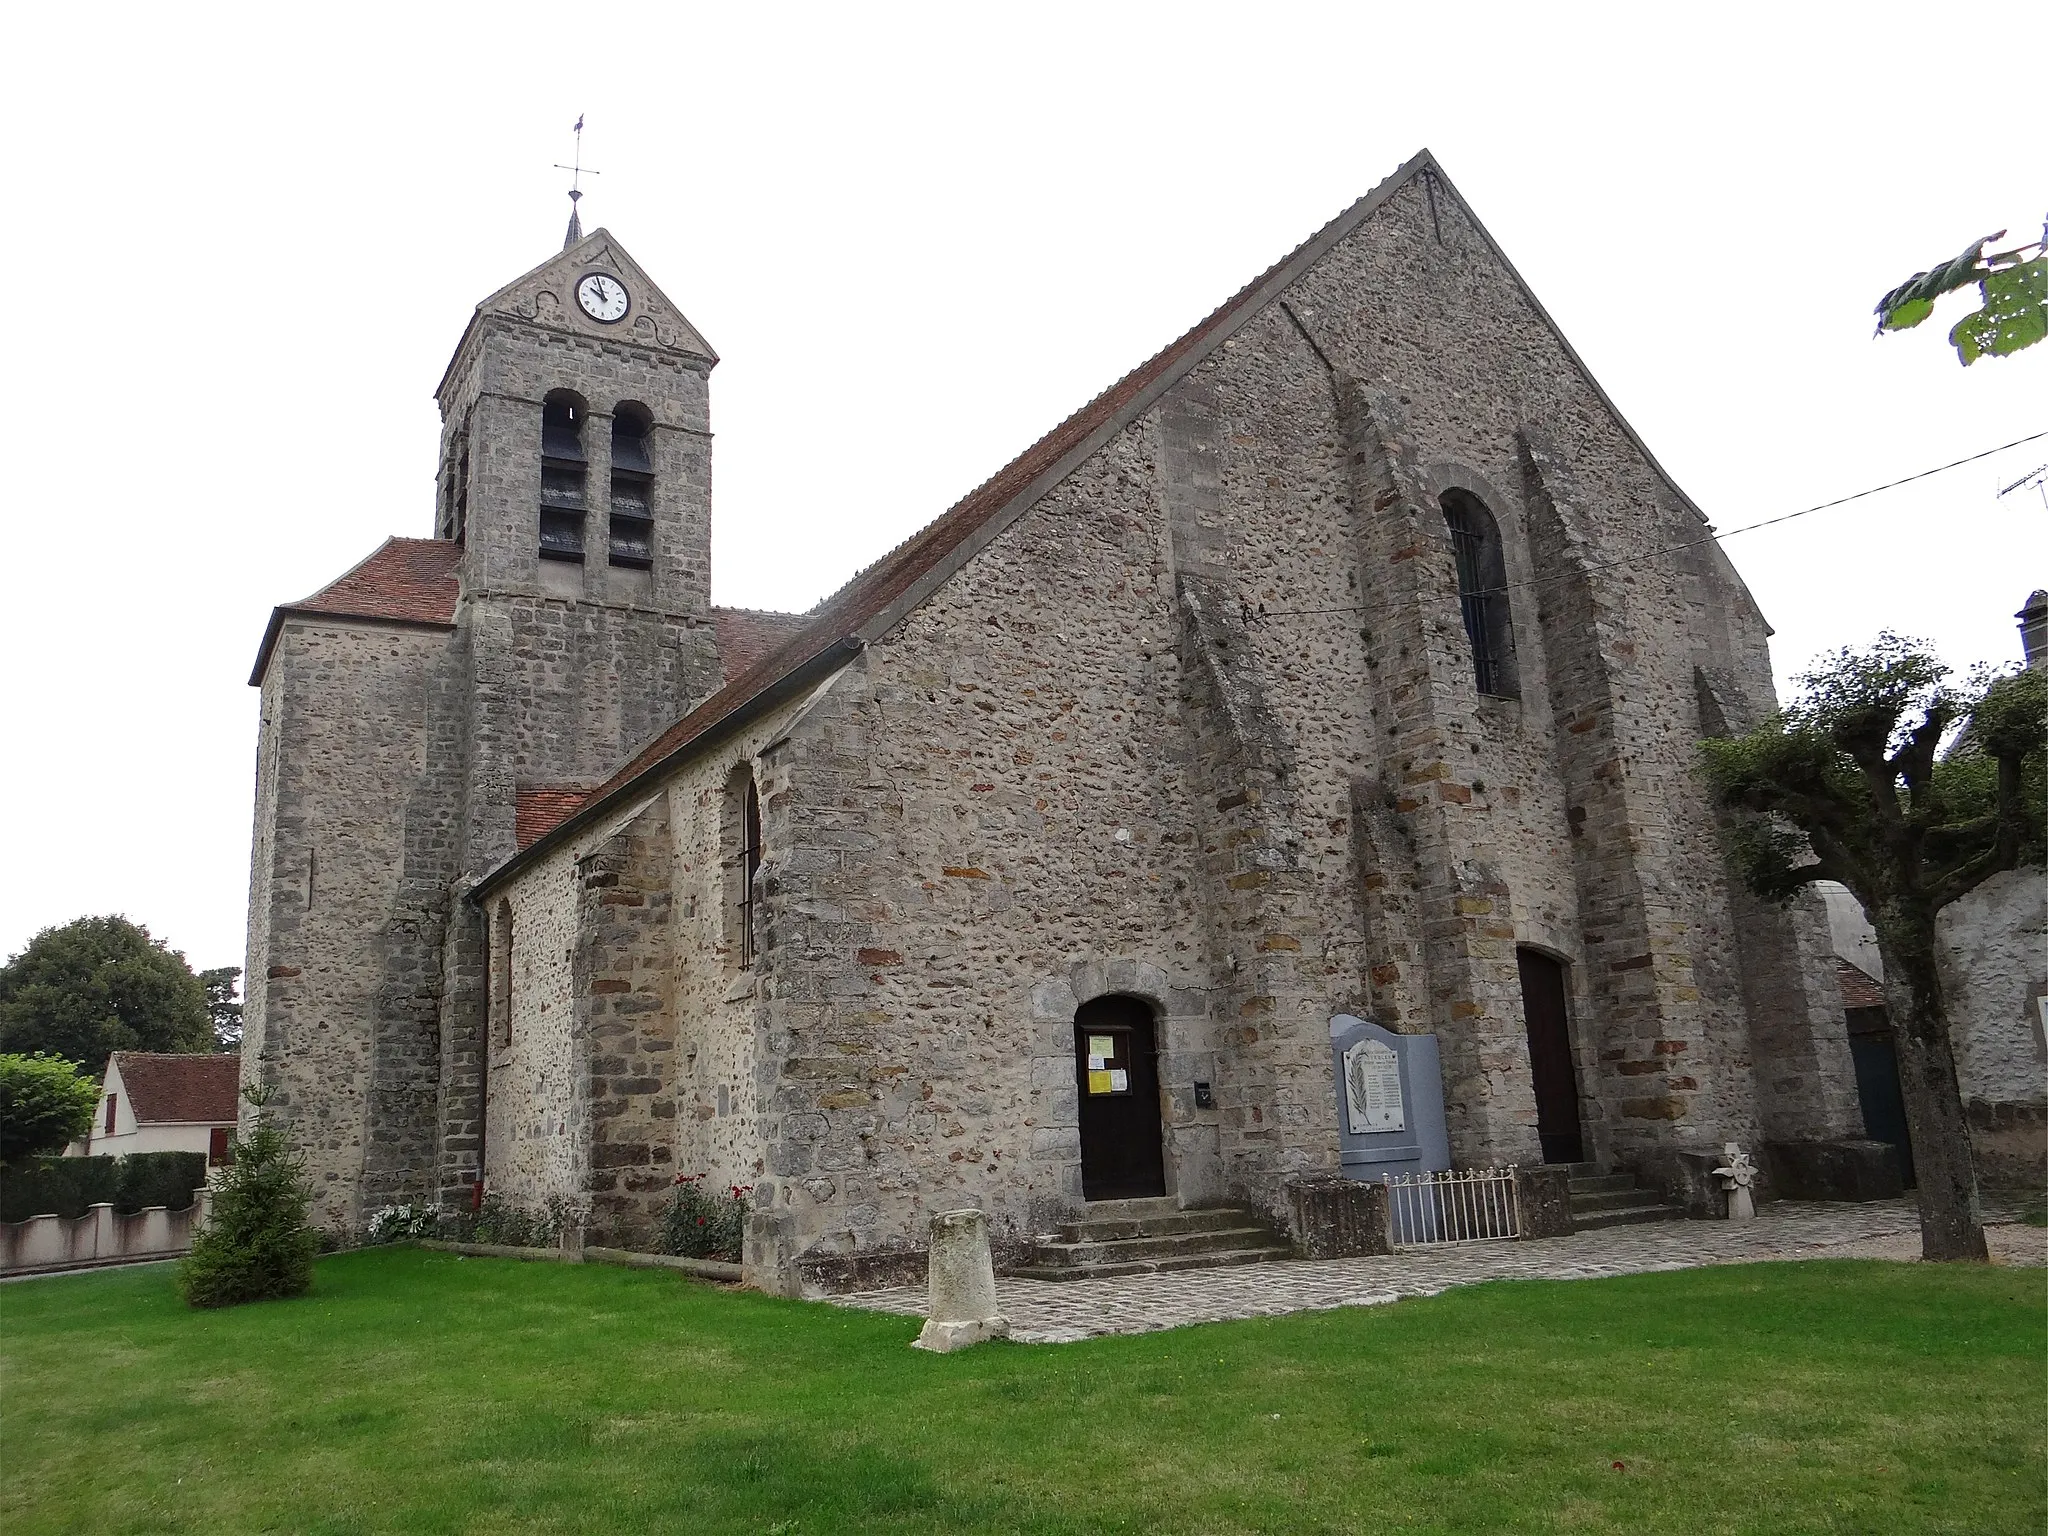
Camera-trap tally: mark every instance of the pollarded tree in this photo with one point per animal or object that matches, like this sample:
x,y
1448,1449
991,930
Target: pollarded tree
x,y
1849,784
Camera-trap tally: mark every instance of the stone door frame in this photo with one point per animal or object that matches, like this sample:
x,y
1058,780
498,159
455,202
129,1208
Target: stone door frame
x,y
1186,1055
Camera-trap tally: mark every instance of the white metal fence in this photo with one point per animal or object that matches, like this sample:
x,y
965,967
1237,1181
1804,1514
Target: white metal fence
x,y
1474,1205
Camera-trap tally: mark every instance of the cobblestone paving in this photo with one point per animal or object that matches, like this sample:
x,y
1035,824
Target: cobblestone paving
x,y
1059,1312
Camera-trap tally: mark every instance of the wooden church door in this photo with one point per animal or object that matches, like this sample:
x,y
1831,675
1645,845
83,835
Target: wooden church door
x,y
1116,1068
1550,1057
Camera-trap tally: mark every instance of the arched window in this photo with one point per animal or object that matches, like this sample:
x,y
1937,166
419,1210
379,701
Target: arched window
x,y
501,973
564,474
749,867
632,530
1482,592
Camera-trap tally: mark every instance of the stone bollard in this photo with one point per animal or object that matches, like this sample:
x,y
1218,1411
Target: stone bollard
x,y
961,1277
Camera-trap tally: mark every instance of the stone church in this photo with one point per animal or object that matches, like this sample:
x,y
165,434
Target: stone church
x,y
1348,657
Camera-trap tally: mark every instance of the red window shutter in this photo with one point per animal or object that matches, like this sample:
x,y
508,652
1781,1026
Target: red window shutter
x,y
217,1146
111,1099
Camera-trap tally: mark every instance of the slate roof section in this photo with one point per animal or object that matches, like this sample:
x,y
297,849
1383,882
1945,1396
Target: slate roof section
x,y
1859,989
405,581
540,808
180,1090
745,635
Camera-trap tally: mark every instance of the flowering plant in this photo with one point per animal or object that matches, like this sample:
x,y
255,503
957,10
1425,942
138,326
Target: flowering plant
x,y
401,1223
701,1223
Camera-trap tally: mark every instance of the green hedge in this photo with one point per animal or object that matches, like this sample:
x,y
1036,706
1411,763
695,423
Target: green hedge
x,y
65,1186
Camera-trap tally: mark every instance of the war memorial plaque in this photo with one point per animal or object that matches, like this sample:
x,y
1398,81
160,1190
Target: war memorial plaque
x,y
1372,1084
1390,1100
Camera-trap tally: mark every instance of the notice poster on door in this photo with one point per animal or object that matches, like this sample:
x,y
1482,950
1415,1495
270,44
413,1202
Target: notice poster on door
x,y
1098,1082
1372,1089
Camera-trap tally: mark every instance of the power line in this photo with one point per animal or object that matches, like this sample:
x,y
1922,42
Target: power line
x,y
1712,538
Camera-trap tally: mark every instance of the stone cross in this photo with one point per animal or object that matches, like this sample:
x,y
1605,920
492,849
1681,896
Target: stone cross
x,y
1740,1173
961,1305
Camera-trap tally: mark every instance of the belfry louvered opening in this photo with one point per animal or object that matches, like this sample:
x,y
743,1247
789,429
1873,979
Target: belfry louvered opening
x,y
632,524
564,475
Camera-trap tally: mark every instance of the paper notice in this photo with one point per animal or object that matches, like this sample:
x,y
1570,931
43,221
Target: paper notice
x,y
1097,1063
1119,1081
1101,1046
1098,1082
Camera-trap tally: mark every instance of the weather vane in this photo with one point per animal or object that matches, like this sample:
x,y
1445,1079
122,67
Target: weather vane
x,y
577,172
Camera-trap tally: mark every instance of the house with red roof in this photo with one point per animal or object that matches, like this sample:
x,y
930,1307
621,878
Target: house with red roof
x,y
1342,665
160,1102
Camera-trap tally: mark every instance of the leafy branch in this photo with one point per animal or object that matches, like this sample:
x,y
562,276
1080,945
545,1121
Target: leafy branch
x,y
2012,288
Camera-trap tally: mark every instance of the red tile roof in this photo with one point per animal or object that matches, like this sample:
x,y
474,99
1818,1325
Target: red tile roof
x,y
406,581
540,808
1859,989
165,1089
837,627
745,635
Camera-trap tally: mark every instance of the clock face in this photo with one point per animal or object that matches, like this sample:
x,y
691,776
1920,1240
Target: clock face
x,y
603,298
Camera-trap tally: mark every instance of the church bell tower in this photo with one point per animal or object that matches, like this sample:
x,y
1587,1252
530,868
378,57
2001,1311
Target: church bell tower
x,y
575,471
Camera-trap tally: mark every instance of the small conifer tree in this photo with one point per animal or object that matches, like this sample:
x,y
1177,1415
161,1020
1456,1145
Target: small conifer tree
x,y
256,1245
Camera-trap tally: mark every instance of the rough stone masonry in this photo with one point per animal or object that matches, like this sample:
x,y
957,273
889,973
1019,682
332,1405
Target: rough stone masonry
x,y
1331,661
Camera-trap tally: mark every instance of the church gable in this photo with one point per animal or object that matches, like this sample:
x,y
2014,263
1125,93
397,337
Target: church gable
x,y
878,599
546,296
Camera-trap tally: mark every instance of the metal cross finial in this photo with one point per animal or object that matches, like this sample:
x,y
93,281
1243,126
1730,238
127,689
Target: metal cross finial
x,y
575,171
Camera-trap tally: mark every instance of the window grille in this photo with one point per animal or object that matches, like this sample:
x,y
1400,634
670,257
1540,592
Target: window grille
x,y
1469,544
1482,592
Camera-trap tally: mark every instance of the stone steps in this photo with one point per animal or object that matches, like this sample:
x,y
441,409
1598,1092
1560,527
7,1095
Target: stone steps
x,y
1614,1200
1624,1198
1627,1216
1109,1270
1602,1183
1114,1229
1139,1237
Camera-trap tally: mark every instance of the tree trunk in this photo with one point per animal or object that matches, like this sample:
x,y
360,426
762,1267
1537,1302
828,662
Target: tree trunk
x,y
1951,1223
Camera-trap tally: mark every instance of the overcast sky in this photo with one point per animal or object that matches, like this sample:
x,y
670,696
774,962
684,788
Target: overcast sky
x,y
245,242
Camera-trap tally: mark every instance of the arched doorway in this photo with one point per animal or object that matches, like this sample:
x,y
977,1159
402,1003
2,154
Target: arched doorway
x,y
1116,1069
1550,1057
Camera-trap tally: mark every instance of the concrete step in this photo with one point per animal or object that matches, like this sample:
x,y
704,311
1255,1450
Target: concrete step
x,y
1218,1260
1583,1170
1616,1198
1106,1229
1626,1216
1170,1245
1602,1183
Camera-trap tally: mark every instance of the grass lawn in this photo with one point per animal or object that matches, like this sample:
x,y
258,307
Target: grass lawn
x,y
419,1392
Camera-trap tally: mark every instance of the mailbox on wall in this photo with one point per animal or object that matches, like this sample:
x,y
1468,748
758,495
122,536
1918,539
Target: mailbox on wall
x,y
1390,1100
